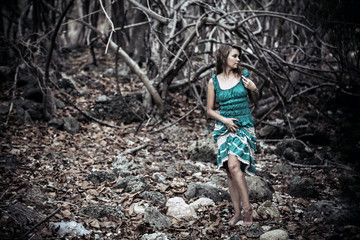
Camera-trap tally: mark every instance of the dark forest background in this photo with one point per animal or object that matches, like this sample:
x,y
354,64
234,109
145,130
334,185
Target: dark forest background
x,y
84,82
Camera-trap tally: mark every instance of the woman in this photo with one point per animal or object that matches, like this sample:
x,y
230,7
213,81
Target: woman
x,y
234,127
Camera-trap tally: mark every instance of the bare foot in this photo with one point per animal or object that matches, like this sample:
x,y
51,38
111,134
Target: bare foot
x,y
237,217
248,221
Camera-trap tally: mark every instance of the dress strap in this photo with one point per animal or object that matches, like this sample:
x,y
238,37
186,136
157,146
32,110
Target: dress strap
x,y
216,82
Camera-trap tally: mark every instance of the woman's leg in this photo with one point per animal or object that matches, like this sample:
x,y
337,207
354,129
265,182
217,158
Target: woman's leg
x,y
235,199
238,184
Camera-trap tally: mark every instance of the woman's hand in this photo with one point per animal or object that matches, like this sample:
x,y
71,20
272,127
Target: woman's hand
x,y
229,122
248,84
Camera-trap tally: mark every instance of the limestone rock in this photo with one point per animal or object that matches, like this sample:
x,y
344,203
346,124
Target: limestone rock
x,y
178,208
73,228
275,235
202,202
154,236
102,99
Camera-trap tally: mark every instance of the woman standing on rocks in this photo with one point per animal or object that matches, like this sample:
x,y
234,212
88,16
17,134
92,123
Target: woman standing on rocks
x,y
234,127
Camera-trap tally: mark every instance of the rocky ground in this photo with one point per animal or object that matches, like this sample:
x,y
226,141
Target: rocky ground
x,y
72,178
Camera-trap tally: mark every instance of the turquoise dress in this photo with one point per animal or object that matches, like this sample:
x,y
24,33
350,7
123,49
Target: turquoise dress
x,y
234,104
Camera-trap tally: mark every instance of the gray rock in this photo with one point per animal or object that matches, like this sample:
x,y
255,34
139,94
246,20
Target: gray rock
x,y
153,196
172,172
158,177
98,177
100,211
122,167
268,210
102,99
155,236
115,110
204,150
27,118
259,189
71,125
83,91
219,180
133,184
59,104
252,232
56,123
67,83
290,155
35,94
282,169
108,72
156,219
275,235
266,131
302,187
4,110
295,146
303,129
190,168
124,71
204,190
332,213
300,121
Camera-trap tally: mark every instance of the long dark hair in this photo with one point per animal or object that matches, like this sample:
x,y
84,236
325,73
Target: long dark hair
x,y
221,55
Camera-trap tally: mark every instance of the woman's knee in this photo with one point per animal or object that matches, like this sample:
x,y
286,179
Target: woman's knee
x,y
234,167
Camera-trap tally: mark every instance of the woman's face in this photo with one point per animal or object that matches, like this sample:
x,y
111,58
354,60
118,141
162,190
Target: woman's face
x,y
233,58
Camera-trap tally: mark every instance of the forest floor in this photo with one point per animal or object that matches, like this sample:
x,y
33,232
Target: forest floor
x,y
45,171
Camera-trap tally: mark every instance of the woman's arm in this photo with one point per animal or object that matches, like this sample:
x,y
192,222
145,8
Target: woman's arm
x,y
254,96
229,122
253,90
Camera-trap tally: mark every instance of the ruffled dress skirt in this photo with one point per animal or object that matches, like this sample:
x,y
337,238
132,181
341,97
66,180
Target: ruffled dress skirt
x,y
242,143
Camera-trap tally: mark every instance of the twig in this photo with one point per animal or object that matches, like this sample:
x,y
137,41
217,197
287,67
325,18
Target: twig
x,y
118,85
320,166
152,14
131,151
53,37
159,130
39,223
13,95
111,23
3,194
312,88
